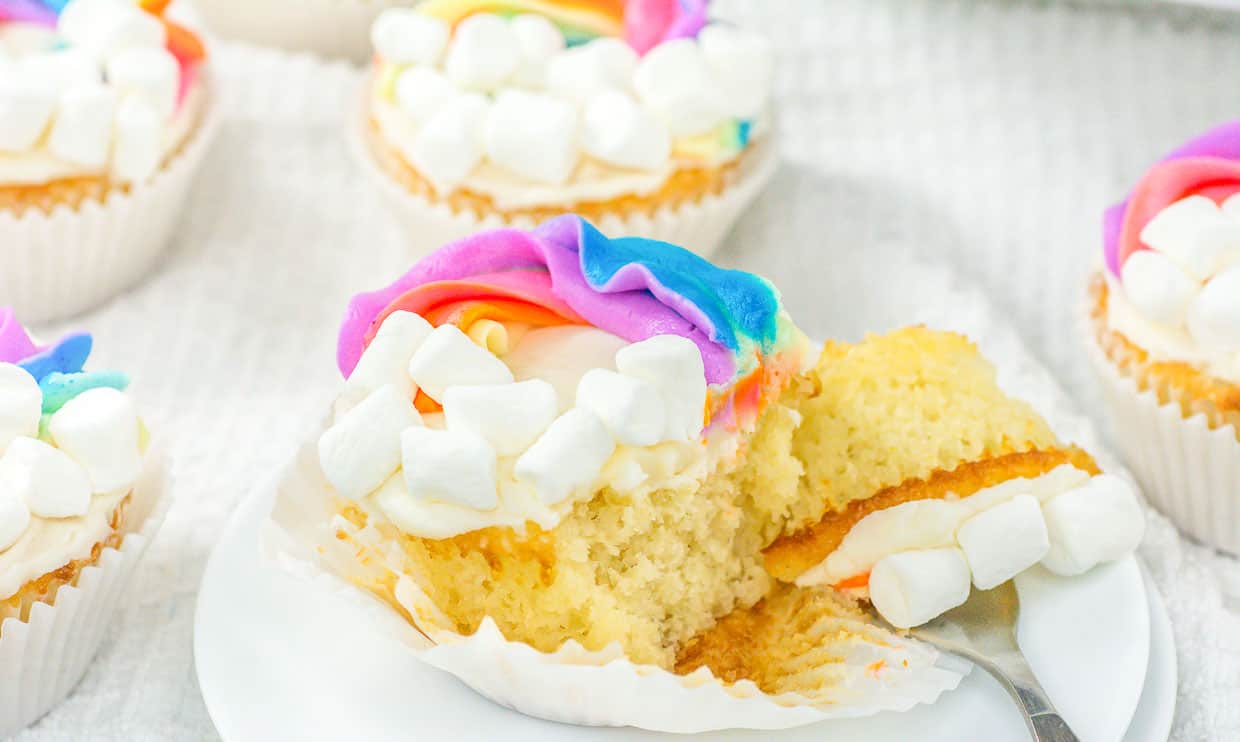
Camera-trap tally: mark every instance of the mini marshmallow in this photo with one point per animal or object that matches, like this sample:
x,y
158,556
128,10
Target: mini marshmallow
x,y
533,135
538,40
912,587
362,449
24,39
1231,206
1004,541
14,517
82,131
99,429
386,358
59,70
449,466
619,132
509,416
1097,522
405,36
105,27
584,71
567,456
421,92
136,150
483,54
152,73
1157,286
673,365
630,408
1195,234
674,81
449,358
53,484
21,404
25,111
1214,316
449,146
744,65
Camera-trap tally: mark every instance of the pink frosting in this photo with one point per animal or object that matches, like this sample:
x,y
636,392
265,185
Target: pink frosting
x,y
15,343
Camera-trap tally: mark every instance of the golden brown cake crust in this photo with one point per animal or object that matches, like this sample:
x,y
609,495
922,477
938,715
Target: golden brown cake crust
x,y
1173,381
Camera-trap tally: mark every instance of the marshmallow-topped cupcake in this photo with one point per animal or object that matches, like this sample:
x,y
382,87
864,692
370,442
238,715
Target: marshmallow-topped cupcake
x,y
584,467
102,108
75,482
643,116
1165,315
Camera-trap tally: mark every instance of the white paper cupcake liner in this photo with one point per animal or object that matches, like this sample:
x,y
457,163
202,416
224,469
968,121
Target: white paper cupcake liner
x,y
42,659
329,28
580,686
57,265
699,225
1187,470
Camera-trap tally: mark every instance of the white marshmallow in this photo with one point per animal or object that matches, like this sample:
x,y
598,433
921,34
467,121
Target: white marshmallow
x,y
569,455
673,365
14,517
21,404
483,54
23,39
152,73
1195,234
1157,286
405,36
53,484
533,135
136,150
910,588
24,113
743,64
674,81
509,416
386,359
449,466
630,408
362,449
59,70
421,92
99,429
1097,522
82,131
449,358
1214,316
1231,206
105,27
449,146
616,130
584,71
538,40
1004,541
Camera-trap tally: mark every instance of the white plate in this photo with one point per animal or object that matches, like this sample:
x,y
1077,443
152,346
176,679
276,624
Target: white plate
x,y
276,660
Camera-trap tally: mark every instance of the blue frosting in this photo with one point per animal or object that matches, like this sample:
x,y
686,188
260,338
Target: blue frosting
x,y
66,357
59,388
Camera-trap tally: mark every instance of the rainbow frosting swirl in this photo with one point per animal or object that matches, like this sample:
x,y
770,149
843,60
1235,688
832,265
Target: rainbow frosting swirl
x,y
1208,165
58,368
567,272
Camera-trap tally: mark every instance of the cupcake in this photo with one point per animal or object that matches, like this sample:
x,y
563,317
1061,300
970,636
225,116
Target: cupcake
x,y
80,499
103,119
1164,327
642,116
607,482
329,28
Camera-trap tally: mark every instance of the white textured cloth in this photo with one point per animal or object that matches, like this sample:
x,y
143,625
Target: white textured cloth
x,y
983,138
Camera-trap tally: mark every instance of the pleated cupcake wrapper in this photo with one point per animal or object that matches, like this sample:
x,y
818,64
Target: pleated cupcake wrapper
x,y
43,658
700,226
328,28
573,684
59,264
1188,470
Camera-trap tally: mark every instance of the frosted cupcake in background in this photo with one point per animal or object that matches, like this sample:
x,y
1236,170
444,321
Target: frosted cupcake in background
x,y
80,499
328,28
103,120
644,117
1165,326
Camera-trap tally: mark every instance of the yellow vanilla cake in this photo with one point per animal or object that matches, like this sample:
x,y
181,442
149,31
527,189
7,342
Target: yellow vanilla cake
x,y
604,442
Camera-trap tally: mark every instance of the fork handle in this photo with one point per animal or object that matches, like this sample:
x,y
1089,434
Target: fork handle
x,y
1050,727
1044,722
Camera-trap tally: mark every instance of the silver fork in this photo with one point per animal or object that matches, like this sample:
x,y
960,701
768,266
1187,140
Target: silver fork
x,y
983,631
